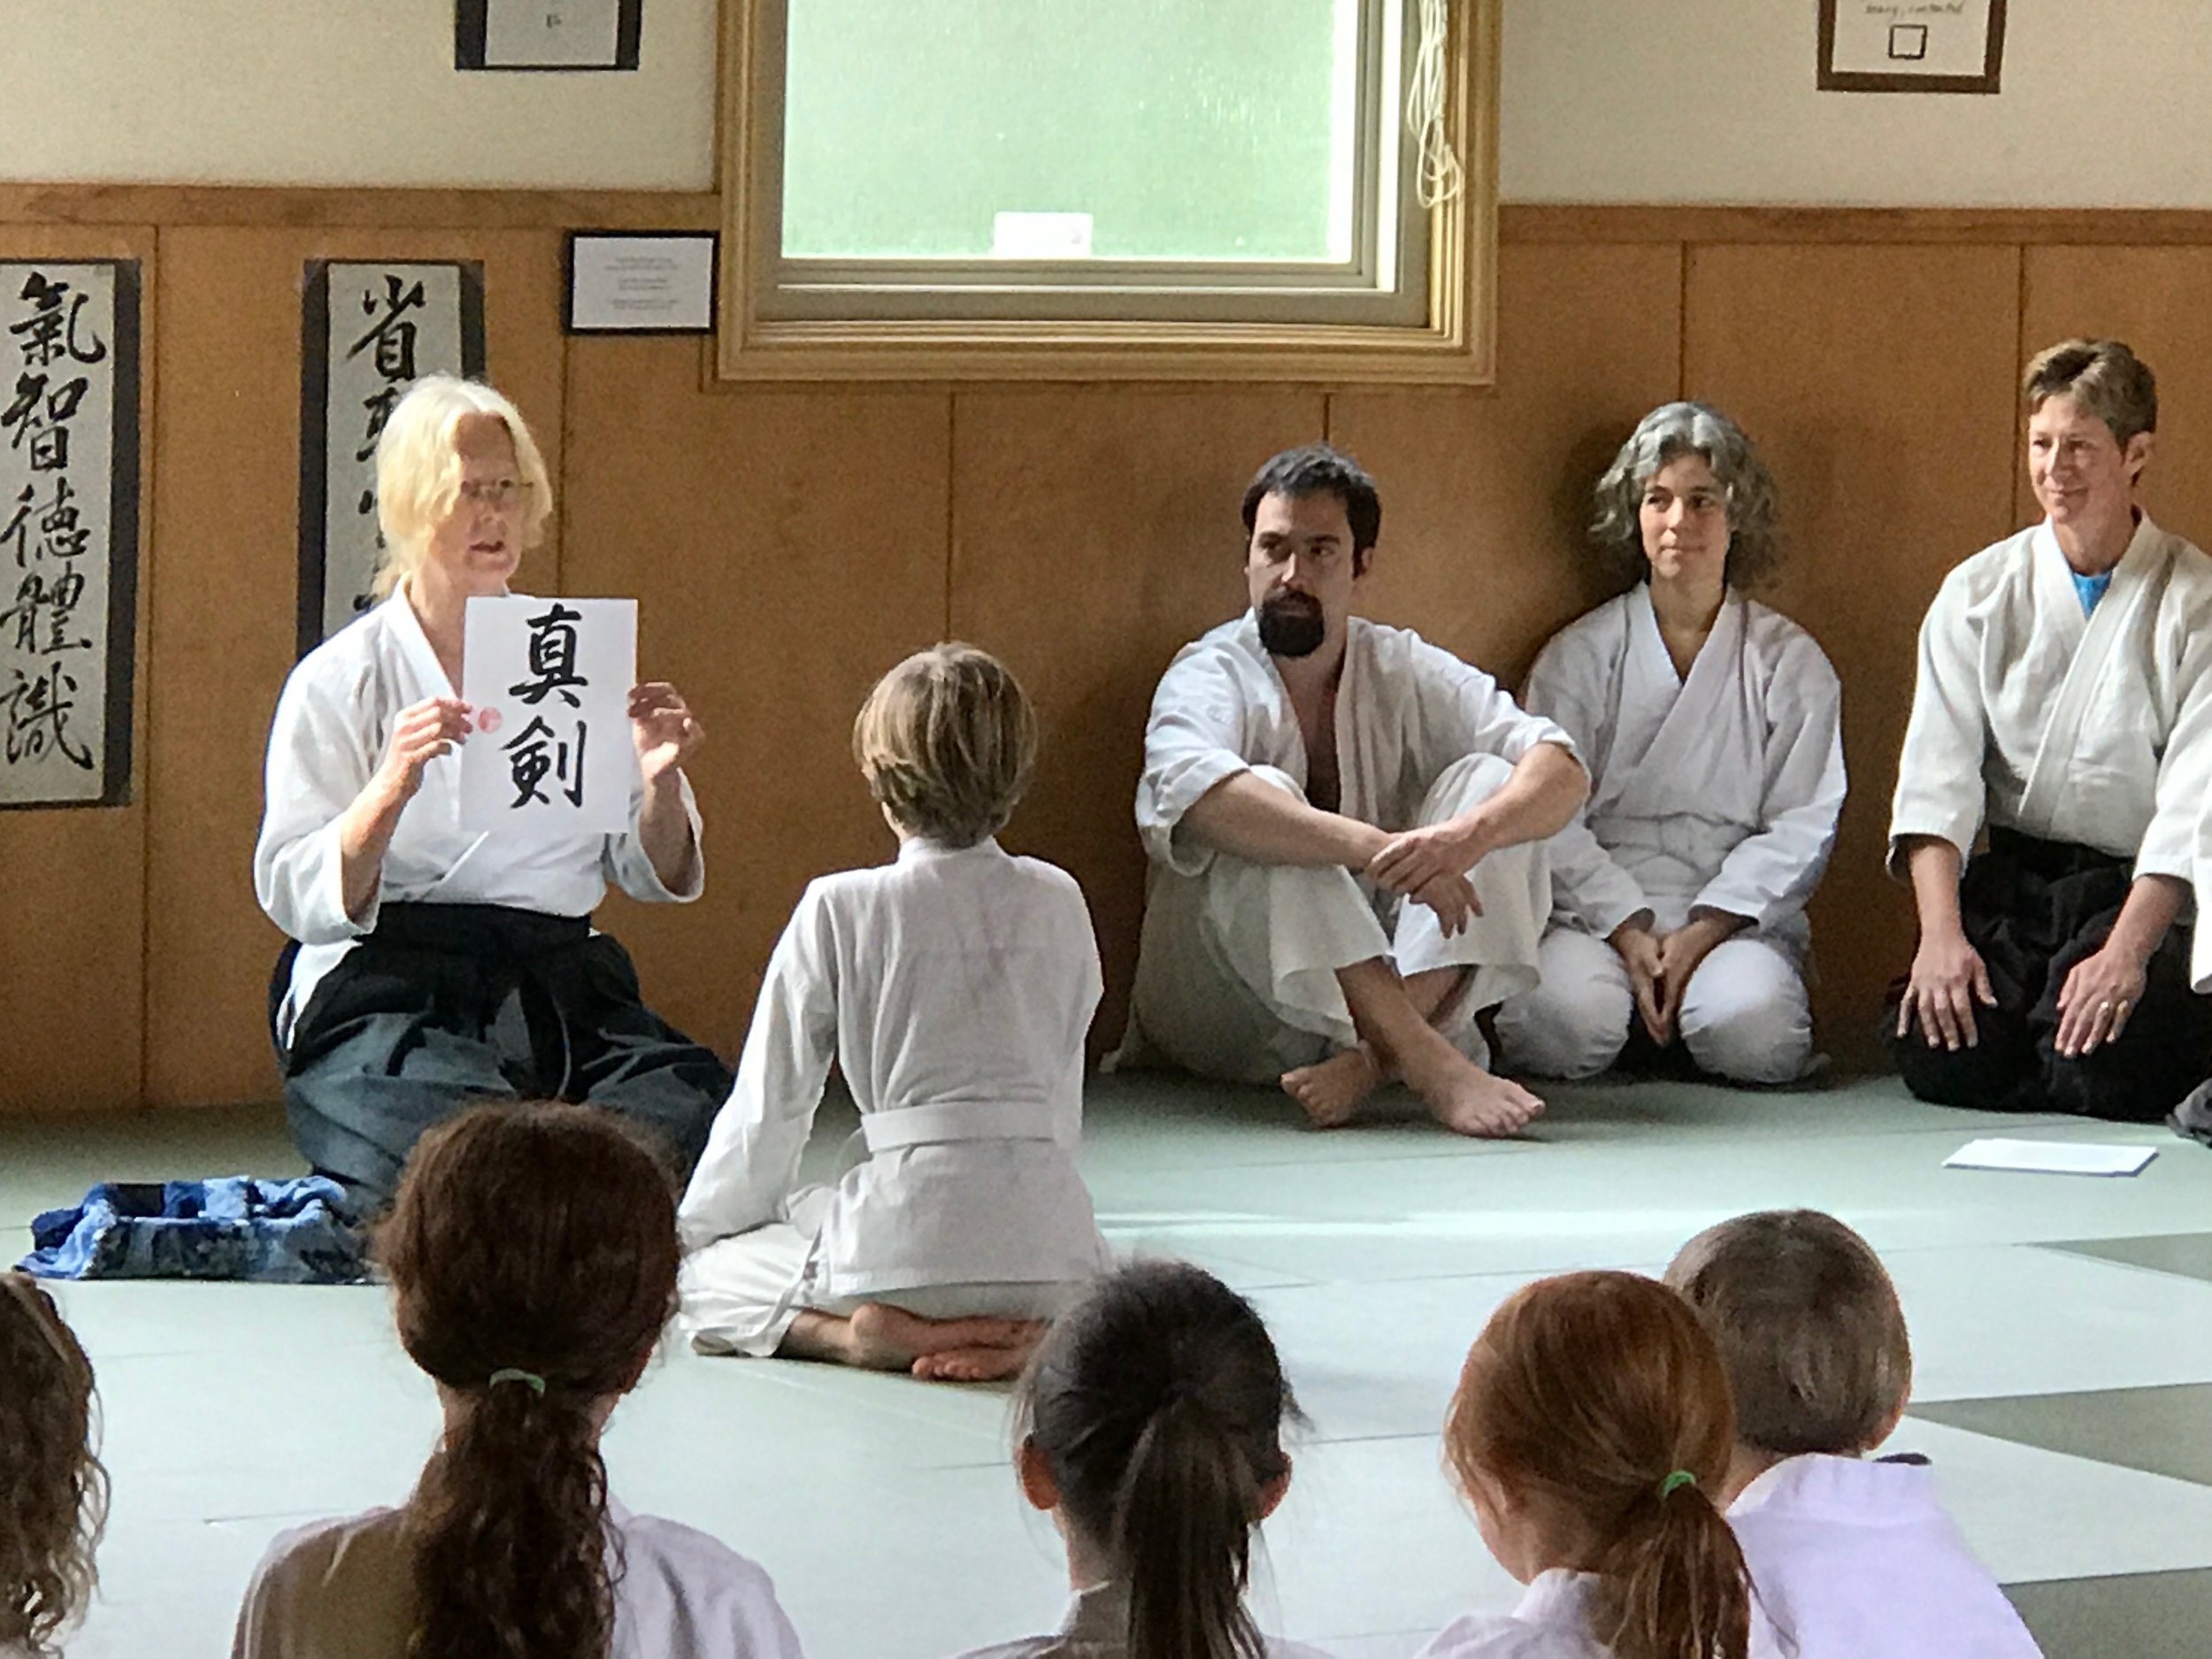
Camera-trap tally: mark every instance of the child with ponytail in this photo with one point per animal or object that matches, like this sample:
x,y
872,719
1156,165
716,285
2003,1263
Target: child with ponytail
x,y
1592,1433
1153,1417
532,1258
53,1492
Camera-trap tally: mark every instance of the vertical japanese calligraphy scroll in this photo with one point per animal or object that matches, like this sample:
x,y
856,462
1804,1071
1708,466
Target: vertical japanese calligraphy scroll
x,y
368,332
68,529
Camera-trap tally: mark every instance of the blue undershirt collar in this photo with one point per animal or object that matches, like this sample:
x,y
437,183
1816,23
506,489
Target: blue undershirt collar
x,y
2089,588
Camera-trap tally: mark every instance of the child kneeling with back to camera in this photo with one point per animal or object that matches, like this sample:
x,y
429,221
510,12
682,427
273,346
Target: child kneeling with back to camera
x,y
1591,1432
53,1484
1854,1554
953,988
532,1258
1152,1422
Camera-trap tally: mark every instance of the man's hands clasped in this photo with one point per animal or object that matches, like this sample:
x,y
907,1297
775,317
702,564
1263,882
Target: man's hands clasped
x,y
1432,865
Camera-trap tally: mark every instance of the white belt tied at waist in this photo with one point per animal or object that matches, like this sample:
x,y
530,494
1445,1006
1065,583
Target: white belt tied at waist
x,y
955,1120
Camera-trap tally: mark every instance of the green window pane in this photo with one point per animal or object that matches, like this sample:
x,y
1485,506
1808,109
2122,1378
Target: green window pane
x,y
1185,129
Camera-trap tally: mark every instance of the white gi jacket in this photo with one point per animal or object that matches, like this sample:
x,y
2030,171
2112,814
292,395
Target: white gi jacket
x,y
1552,1622
2029,716
1405,710
331,724
1097,1627
953,988
344,1589
1857,1559
1716,791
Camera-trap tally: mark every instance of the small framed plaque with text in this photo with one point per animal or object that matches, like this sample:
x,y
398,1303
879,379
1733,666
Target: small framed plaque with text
x,y
641,281
1911,45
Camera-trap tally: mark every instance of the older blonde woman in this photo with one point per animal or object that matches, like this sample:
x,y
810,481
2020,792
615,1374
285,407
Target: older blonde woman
x,y
431,967
1712,727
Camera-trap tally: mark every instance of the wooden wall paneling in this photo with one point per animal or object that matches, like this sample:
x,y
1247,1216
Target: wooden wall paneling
x,y
2159,300
1096,531
225,540
1486,495
73,948
315,208
1694,224
1893,448
785,548
791,543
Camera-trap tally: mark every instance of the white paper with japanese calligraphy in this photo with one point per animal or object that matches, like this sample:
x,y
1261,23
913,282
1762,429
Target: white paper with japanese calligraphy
x,y
549,681
67,553
388,326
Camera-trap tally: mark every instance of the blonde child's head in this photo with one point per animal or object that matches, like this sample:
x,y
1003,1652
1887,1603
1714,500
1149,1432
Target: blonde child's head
x,y
1808,1325
53,1490
1591,1431
946,742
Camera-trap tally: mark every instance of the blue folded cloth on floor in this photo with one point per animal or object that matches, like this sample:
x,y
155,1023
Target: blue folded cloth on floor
x,y
300,1231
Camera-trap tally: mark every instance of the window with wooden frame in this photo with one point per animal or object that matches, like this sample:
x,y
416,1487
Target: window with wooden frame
x,y
1110,189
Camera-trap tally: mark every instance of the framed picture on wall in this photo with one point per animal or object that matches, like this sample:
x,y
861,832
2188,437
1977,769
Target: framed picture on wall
x,y
1906,46
640,281
542,34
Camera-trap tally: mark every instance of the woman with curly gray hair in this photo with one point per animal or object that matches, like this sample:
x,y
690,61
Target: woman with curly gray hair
x,y
1711,725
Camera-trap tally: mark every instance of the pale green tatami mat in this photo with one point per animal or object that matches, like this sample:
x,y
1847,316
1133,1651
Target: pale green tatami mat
x,y
2063,1393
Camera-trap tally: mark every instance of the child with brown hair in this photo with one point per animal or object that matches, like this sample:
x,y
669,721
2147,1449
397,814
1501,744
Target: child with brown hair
x,y
1854,1557
953,988
1152,1423
532,1258
1591,1432
53,1490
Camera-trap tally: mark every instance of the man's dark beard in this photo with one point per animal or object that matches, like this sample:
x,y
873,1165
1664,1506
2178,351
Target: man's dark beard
x,y
1291,625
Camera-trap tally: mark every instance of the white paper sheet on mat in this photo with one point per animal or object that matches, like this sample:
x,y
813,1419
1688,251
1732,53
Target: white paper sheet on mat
x,y
2050,1157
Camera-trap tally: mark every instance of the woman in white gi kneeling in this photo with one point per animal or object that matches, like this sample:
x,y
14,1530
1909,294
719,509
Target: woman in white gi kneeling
x,y
953,988
431,967
1712,727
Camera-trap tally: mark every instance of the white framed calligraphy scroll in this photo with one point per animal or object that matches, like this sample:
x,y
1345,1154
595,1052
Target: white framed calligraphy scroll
x,y
368,331
68,529
548,683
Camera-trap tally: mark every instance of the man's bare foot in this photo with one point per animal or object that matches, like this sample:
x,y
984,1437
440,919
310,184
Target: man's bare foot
x,y
880,1337
1466,1099
1332,1091
978,1364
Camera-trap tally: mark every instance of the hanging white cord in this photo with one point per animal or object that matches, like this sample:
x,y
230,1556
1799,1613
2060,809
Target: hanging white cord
x,y
1440,176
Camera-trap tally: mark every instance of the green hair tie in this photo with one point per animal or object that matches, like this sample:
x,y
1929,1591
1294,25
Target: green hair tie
x,y
536,1383
1675,1482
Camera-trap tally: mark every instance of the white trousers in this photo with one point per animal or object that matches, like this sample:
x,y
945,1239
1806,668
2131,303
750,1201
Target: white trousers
x,y
740,1295
1236,974
1744,1015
